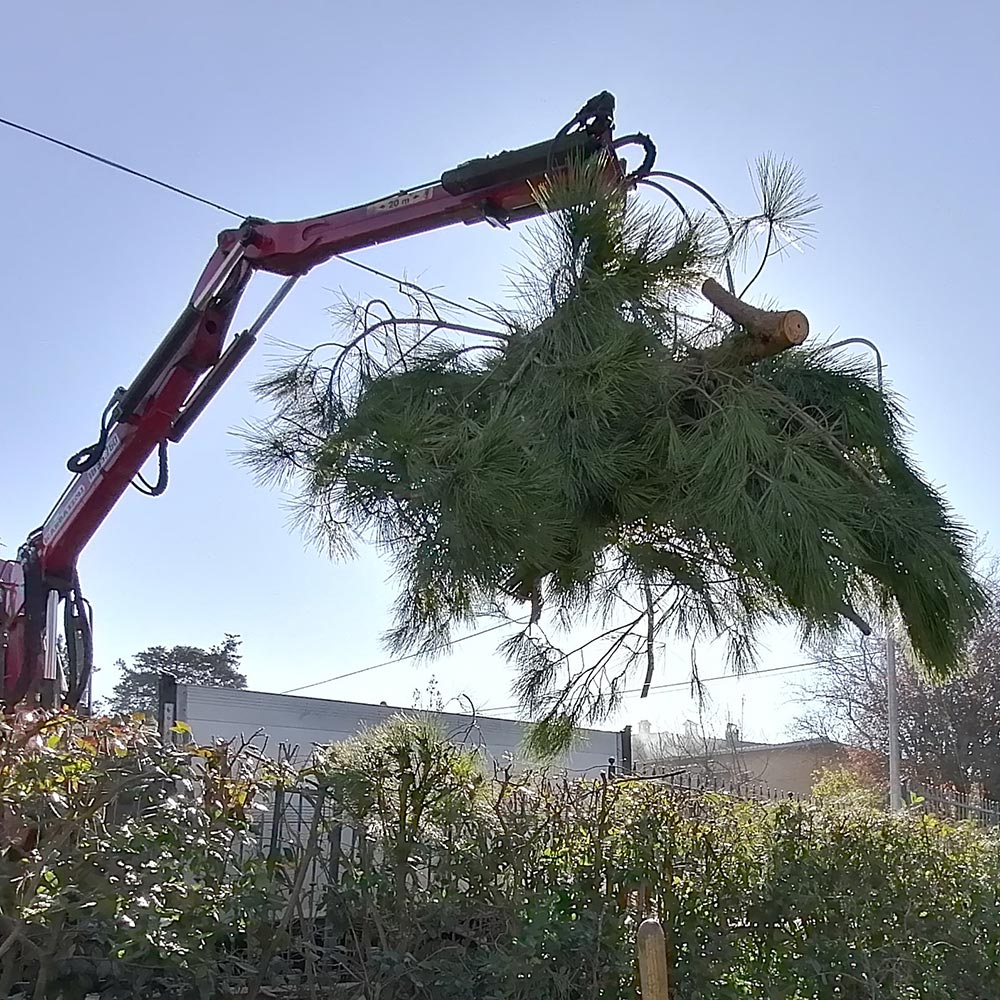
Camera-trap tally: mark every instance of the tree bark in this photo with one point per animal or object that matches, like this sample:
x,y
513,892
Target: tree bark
x,y
764,332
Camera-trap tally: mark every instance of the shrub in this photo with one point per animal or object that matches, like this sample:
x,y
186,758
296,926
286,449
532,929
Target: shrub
x,y
846,788
420,877
117,857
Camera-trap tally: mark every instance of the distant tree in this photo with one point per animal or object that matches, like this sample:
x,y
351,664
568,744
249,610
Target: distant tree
x,y
136,690
949,733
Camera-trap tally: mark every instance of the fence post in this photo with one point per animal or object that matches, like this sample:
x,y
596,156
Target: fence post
x,y
277,819
654,984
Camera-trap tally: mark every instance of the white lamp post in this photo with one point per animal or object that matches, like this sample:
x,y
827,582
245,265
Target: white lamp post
x,y
889,646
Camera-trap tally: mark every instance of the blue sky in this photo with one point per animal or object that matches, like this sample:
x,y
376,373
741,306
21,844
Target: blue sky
x,y
289,110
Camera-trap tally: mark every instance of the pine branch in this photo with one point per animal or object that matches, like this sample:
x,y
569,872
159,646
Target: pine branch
x,y
610,449
650,636
764,332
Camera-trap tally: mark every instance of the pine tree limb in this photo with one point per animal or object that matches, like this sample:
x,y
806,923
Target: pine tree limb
x,y
856,620
650,636
765,331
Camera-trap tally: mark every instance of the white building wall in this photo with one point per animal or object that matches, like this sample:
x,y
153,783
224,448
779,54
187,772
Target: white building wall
x,y
295,724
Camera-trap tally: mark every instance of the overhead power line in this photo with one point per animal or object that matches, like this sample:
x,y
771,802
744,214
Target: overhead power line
x,y
399,659
149,178
403,283
787,668
115,165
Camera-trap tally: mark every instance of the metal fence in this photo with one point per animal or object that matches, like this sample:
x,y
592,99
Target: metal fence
x,y
951,804
921,799
683,779
320,856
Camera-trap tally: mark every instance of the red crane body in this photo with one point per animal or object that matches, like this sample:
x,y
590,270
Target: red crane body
x,y
192,362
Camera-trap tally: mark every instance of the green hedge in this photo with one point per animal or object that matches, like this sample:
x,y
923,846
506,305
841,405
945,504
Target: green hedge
x,y
459,885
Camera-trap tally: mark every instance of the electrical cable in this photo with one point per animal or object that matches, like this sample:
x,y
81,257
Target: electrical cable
x,y
239,215
399,659
120,166
787,668
589,109
782,669
403,283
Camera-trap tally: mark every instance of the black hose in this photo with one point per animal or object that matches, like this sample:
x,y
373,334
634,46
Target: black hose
x,y
678,204
163,474
86,458
681,179
638,139
35,596
78,624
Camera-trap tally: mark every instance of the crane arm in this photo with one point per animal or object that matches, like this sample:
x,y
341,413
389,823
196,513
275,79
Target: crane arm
x,y
162,398
192,362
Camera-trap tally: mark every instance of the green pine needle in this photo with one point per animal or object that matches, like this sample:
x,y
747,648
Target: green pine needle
x,y
589,451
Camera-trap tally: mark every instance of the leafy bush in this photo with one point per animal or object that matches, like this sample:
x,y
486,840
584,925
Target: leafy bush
x,y
420,876
533,889
117,857
846,787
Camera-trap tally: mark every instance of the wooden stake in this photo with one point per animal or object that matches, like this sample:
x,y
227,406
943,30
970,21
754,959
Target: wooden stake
x,y
654,984
766,331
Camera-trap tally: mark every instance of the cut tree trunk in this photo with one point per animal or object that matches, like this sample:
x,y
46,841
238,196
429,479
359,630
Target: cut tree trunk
x,y
764,331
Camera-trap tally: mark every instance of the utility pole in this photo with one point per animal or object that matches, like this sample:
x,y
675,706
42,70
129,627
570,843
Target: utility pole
x,y
892,718
891,687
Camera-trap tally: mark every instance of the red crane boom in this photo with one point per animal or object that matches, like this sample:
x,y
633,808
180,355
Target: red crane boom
x,y
192,362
